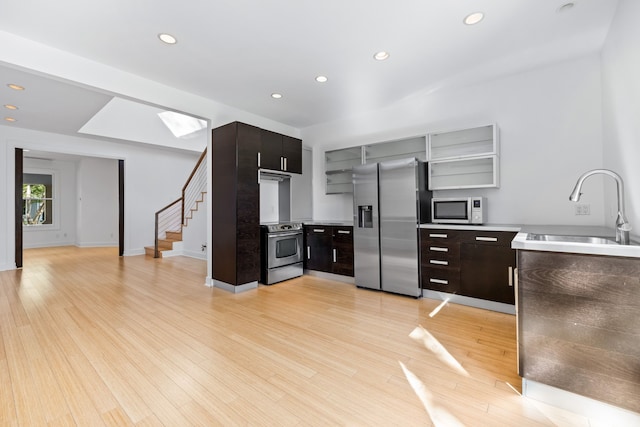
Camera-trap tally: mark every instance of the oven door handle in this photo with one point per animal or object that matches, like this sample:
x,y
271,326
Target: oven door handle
x,y
293,233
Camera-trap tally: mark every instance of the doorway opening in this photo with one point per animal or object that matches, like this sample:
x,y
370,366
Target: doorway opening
x,y
67,200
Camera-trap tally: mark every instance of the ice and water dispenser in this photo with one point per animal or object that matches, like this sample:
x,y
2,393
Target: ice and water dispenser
x,y
365,216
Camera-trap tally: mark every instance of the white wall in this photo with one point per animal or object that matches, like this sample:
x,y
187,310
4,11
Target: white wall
x,y
302,189
194,235
97,202
269,199
621,94
550,123
153,179
63,230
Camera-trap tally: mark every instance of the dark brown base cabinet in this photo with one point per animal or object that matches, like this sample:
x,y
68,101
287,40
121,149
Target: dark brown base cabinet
x,y
329,249
579,324
476,264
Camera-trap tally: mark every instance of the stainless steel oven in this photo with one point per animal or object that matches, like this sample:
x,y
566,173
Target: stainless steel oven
x,y
281,252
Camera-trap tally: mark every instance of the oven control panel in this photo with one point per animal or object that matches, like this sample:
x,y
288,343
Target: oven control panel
x,y
287,226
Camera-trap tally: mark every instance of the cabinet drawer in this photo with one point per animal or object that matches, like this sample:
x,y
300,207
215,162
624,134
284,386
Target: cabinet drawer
x,y
440,250
342,234
439,235
441,279
495,238
317,229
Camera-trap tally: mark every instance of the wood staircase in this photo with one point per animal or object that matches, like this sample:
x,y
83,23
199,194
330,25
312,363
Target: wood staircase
x,y
166,244
171,219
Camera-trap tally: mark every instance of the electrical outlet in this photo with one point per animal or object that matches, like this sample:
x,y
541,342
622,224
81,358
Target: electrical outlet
x,y
582,209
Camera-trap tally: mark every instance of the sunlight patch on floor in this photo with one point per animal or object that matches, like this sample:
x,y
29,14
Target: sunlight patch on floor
x,y
439,307
430,342
440,416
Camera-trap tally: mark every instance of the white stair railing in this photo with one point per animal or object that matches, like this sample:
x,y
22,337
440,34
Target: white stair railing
x,y
195,188
172,217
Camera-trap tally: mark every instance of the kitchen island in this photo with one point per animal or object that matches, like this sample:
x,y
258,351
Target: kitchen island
x,y
578,315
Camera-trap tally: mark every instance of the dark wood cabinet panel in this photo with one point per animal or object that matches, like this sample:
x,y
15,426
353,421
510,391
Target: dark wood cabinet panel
x,y
270,150
486,272
501,238
472,263
440,260
248,208
441,279
342,250
292,152
579,324
329,249
280,152
235,200
318,242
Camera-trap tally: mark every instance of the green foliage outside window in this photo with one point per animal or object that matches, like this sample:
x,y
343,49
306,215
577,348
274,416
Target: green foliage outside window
x,y
37,206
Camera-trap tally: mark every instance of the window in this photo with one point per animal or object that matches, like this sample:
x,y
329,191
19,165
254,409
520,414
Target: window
x,y
37,195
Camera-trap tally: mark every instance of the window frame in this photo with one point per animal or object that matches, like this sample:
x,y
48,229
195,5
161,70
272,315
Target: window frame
x,y
55,201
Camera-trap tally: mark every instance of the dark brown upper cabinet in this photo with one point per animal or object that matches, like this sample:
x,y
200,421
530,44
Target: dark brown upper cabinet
x,y
280,152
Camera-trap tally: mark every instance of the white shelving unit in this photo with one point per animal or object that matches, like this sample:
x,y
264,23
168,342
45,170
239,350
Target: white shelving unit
x,y
394,150
339,163
338,169
466,158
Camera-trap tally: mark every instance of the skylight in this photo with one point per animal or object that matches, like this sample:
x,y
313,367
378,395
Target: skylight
x,y
181,125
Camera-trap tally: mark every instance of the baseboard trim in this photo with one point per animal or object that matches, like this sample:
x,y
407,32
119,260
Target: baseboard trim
x,y
196,254
235,289
49,245
97,245
134,252
581,405
330,276
471,302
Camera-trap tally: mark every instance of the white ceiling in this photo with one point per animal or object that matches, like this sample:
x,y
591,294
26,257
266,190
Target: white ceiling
x,y
238,52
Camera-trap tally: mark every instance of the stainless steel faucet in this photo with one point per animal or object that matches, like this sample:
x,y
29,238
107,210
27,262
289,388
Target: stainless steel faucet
x,y
622,225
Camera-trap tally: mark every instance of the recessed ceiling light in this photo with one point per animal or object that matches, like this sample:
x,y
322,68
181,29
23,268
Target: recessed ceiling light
x,y
167,38
321,79
381,56
276,95
566,7
10,107
474,18
15,87
10,119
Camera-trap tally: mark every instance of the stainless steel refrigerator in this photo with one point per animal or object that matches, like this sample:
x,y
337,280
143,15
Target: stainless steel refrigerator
x,y
390,200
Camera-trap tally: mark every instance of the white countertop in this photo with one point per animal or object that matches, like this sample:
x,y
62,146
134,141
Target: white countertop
x,y
521,242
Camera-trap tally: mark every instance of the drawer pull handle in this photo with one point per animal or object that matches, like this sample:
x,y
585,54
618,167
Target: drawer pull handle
x,y
318,230
439,281
438,262
439,236
437,249
487,239
344,232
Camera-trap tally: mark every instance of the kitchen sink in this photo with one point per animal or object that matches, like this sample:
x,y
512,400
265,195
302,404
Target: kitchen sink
x,y
570,239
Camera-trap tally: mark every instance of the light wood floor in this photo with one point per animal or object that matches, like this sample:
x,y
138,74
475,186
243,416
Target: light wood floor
x,y
91,339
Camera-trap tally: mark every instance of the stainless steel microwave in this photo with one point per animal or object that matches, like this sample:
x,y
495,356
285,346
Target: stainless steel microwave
x,y
458,210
